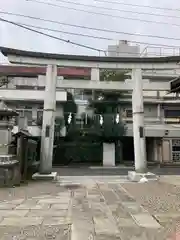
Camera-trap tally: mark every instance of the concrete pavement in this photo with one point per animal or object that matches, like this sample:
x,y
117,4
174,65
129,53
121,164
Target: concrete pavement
x,y
92,208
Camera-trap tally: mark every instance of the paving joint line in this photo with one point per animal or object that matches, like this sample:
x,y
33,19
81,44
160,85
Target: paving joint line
x,y
90,207
113,218
146,211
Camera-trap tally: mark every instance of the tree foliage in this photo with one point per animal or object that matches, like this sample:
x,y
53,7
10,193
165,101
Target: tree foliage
x,y
106,105
113,75
69,107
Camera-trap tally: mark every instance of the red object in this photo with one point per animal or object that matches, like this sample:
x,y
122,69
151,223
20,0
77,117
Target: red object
x,y
34,71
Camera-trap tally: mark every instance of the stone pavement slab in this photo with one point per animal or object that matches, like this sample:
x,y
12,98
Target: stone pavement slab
x,y
105,225
16,201
166,217
62,232
27,206
81,235
94,209
107,237
47,213
146,220
56,221
7,206
21,221
174,180
53,200
13,213
125,222
133,207
135,233
63,206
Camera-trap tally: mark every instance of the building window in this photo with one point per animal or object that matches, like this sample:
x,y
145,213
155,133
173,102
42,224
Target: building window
x,y
129,113
172,113
41,88
25,111
25,87
176,150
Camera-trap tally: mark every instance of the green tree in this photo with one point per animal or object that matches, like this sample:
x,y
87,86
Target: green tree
x,y
69,108
113,75
106,105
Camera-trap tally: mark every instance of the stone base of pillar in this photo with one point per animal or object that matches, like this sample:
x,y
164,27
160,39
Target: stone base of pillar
x,y
46,177
108,154
141,177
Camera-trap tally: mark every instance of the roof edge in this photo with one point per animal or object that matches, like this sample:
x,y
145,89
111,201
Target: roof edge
x,y
23,53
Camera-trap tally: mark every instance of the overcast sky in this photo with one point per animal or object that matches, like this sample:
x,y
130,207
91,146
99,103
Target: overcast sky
x,y
15,37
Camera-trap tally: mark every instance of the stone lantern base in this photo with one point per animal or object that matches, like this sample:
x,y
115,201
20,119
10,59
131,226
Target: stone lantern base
x,y
9,166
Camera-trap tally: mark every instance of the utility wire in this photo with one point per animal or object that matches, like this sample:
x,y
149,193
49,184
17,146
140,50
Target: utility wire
x,y
138,5
51,36
93,36
25,26
105,14
114,9
89,28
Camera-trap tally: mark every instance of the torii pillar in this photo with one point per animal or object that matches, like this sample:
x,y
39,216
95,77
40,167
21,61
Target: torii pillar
x,y
47,134
140,173
138,122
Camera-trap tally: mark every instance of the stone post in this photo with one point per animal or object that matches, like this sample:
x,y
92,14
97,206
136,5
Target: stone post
x,y
47,136
138,122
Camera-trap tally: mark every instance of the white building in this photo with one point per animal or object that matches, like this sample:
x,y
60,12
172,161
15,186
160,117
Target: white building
x,y
123,49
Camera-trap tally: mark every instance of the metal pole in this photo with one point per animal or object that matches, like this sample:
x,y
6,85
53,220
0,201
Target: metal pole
x,y
47,136
138,122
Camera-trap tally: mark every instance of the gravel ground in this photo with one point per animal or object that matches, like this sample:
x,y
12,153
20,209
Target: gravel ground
x,y
162,200
157,197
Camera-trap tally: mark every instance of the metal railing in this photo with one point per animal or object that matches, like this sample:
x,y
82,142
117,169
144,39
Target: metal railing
x,y
150,51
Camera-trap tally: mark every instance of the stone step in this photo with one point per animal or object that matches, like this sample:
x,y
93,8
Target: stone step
x,y
170,165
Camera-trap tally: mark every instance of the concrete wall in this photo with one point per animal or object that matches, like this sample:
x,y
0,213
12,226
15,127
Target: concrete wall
x,y
59,110
150,110
157,130
29,95
166,150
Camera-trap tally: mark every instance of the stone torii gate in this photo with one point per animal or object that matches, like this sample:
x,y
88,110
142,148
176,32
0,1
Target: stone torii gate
x,y
136,65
